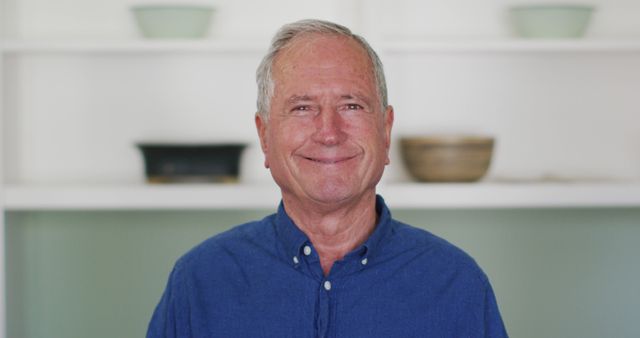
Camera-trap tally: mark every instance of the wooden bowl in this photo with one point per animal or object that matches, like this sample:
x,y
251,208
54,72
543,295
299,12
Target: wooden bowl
x,y
448,158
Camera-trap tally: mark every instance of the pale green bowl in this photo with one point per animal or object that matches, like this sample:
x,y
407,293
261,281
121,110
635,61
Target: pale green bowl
x,y
173,22
551,21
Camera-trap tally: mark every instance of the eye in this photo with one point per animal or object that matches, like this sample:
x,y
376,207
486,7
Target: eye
x,y
354,106
301,108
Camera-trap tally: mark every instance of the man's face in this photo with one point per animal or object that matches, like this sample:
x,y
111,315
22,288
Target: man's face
x,y
326,139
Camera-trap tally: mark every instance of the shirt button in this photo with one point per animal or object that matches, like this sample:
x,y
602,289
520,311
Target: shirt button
x,y
307,250
327,285
295,260
364,261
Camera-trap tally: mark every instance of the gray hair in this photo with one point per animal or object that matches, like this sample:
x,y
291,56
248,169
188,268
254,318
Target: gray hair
x,y
284,36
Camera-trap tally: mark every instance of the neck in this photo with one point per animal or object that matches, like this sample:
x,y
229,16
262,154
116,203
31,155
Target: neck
x,y
334,230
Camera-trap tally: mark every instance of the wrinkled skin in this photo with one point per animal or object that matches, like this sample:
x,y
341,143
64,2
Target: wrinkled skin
x,y
326,140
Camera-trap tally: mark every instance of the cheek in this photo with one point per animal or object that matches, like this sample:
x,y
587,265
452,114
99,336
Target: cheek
x,y
367,133
287,137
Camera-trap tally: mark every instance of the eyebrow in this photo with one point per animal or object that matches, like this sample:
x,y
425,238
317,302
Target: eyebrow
x,y
305,98
356,96
298,98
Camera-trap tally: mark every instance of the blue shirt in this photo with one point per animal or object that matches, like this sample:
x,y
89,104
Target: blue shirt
x,y
263,279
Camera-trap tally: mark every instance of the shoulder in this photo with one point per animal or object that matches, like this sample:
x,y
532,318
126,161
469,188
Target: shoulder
x,y
435,252
238,243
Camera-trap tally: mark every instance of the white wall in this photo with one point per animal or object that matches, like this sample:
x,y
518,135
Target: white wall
x,y
75,117
259,19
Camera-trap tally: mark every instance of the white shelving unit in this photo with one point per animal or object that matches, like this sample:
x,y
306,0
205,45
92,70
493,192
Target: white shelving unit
x,y
24,197
3,303
397,47
131,46
400,196
512,45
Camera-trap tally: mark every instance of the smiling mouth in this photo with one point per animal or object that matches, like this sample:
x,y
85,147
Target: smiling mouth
x,y
333,160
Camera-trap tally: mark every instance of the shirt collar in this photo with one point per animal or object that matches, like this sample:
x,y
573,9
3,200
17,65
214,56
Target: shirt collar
x,y
382,230
291,236
294,239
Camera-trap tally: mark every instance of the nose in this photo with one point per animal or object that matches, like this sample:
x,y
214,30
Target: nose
x,y
329,126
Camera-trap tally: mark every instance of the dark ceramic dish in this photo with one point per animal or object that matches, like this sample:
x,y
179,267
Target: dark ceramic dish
x,y
170,162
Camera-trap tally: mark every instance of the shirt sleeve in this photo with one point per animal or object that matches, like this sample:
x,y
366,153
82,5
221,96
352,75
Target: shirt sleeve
x,y
170,318
494,327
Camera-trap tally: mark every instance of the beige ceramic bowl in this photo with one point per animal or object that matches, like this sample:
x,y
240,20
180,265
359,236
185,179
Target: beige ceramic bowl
x,y
447,158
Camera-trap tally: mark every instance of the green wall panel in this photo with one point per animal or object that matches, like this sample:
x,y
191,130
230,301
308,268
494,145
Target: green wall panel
x,y
556,272
97,274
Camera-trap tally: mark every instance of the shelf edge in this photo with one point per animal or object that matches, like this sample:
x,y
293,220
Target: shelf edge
x,y
132,46
399,196
389,47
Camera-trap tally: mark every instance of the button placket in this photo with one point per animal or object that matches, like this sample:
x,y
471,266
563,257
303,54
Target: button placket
x,y
324,314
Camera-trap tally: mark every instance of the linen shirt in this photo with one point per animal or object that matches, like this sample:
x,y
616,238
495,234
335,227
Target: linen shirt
x,y
264,279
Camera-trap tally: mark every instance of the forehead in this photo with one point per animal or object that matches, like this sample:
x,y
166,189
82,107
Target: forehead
x,y
316,54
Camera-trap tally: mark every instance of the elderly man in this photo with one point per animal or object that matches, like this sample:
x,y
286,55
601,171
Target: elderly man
x,y
331,262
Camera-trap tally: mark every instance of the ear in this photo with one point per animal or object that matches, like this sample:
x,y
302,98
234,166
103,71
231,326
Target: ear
x,y
261,127
388,124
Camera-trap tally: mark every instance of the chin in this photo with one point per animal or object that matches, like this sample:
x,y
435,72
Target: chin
x,y
333,193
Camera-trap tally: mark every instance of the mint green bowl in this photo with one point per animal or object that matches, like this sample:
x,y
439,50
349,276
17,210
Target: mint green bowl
x,y
173,22
551,21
